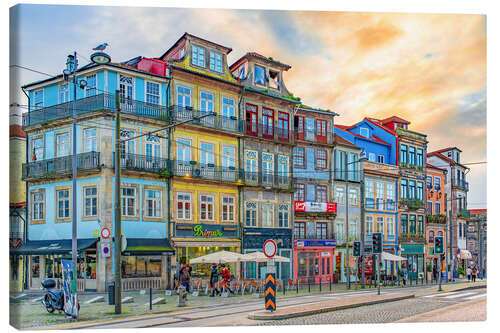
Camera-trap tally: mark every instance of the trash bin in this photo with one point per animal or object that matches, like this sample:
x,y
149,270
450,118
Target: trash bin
x,y
111,293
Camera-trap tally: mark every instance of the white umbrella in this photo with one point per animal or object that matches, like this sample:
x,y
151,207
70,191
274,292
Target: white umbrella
x,y
261,257
392,257
220,257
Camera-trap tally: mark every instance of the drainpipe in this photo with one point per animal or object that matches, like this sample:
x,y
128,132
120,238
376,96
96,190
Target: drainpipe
x,y
25,226
168,263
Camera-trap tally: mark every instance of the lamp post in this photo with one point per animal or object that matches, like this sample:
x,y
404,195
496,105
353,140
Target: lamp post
x,y
361,159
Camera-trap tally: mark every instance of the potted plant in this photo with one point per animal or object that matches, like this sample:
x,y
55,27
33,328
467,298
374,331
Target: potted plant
x,y
461,272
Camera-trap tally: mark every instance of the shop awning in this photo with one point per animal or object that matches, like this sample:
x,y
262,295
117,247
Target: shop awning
x,y
464,254
392,257
60,246
148,246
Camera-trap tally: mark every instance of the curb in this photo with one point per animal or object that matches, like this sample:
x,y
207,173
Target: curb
x,y
256,316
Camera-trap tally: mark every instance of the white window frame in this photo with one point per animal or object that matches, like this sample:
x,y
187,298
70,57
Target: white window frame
x,y
200,53
390,225
59,145
183,213
283,216
186,150
184,95
207,104
64,95
372,157
267,167
340,230
35,149
369,224
37,199
90,198
250,214
380,224
228,109
339,195
89,141
353,229
151,93
206,210
125,201
65,201
283,163
216,61
353,197
157,206
251,164
379,203
365,132
90,90
267,215
228,203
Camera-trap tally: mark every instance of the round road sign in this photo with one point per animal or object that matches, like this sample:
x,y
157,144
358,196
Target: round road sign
x,y
270,248
105,233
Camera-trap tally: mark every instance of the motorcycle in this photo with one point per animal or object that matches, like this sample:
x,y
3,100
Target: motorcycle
x,y
53,299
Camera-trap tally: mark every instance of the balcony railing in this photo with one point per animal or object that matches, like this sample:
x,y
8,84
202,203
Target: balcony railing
x,y
54,167
315,236
273,180
437,219
312,136
419,237
207,171
95,103
464,213
183,113
460,183
145,163
412,204
275,132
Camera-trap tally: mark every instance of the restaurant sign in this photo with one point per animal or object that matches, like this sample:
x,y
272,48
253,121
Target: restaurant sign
x,y
315,207
198,231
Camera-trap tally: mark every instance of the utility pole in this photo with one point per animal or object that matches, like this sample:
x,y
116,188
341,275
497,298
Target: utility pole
x,y
362,207
118,215
347,226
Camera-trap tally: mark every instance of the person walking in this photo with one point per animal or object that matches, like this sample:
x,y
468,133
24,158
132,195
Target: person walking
x,y
185,277
404,273
474,273
226,276
214,279
469,272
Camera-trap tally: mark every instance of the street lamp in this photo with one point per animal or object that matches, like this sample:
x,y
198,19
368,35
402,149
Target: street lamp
x,y
362,158
100,58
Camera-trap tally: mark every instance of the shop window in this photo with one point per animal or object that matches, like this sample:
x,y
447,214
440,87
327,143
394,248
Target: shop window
x,y
141,266
206,207
35,266
228,209
251,214
184,206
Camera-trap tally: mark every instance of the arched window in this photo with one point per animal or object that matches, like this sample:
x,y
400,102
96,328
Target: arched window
x,y
431,236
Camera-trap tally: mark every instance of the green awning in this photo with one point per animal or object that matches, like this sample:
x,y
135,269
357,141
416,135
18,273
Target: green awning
x,y
412,249
148,246
59,246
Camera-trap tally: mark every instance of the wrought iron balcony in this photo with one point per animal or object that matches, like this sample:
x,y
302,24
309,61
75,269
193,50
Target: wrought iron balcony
x,y
460,183
436,219
94,103
56,167
313,136
207,171
136,162
183,113
271,180
417,237
321,236
274,132
464,213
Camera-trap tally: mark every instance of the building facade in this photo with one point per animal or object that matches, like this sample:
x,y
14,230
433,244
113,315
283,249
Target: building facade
x,y
476,238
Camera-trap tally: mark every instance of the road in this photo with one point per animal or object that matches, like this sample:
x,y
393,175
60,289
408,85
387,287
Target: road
x,y
410,309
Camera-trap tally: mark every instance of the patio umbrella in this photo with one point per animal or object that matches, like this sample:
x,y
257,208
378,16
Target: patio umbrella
x,y
261,257
220,257
392,257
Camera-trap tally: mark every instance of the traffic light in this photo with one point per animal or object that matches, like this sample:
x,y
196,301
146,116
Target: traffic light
x,y
438,245
377,242
356,249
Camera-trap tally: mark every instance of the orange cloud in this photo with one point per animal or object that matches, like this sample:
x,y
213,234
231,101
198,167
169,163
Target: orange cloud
x,y
376,35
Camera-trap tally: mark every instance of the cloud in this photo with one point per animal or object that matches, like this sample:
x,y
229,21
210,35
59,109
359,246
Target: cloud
x,y
376,36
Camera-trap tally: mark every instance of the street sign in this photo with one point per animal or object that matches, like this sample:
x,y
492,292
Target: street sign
x,y
270,292
106,247
105,233
270,248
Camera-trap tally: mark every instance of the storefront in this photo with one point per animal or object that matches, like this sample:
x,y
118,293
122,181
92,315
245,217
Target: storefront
x,y
415,255
313,260
253,240
195,240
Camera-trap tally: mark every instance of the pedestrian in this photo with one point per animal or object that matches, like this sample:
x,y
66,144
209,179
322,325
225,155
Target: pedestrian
x,y
474,273
469,272
184,277
214,279
434,272
226,276
484,272
404,274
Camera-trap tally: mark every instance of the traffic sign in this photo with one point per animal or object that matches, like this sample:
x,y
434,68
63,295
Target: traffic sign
x,y
270,292
106,248
105,233
270,248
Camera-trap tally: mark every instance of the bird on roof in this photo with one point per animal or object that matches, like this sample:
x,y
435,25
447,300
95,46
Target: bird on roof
x,y
100,47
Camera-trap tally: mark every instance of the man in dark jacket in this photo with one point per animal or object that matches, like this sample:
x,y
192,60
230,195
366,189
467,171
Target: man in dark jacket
x,y
184,277
214,279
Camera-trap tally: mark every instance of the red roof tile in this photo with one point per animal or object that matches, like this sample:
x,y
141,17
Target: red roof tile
x,y
445,149
395,119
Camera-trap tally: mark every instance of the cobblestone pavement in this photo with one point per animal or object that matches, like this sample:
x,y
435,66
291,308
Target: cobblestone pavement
x,y
474,310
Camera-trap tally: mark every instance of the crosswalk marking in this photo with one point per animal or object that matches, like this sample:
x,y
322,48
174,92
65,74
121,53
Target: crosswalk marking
x,y
439,295
459,295
476,296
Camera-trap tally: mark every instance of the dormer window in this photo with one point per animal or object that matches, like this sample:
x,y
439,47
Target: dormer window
x,y
274,81
216,62
458,157
405,126
198,56
363,131
260,75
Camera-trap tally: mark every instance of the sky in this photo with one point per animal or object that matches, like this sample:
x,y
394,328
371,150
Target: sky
x,y
429,69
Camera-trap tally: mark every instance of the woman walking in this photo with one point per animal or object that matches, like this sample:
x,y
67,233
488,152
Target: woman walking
x,y
469,272
214,279
227,278
404,273
474,273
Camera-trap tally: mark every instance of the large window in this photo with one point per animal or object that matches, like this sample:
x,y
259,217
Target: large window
x,y
206,207
251,119
198,56
404,224
299,230
404,189
267,167
153,203
339,230
64,93
380,224
91,88
413,224
299,123
183,96
129,201
369,224
420,157
353,197
152,93
321,230
437,206
411,155
403,158
37,149
206,102
339,195
431,236
267,123
420,191
283,169
251,214
62,202
184,206
420,225
380,196
141,266
283,216
228,107
259,75
283,125
428,209
251,166
183,151
216,61
90,201
299,157
321,158
390,225
207,155
300,192
62,144
437,183
370,194
228,208
321,130
37,205
228,157
267,215
38,99
89,139
153,150
353,229
321,194
391,197
411,189
428,182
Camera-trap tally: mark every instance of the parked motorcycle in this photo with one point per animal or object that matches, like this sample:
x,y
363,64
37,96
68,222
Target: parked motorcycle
x,y
53,299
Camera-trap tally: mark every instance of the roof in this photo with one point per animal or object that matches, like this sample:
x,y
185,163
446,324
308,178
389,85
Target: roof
x,y
445,158
377,122
395,119
268,60
477,211
147,246
311,109
16,131
342,141
435,167
374,138
227,49
445,149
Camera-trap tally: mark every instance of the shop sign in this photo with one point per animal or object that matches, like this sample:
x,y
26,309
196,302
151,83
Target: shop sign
x,y
198,231
315,207
325,254
315,243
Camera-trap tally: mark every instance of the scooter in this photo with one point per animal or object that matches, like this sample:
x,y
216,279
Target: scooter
x,y
53,299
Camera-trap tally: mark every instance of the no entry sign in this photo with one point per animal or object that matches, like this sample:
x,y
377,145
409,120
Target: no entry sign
x,y
270,248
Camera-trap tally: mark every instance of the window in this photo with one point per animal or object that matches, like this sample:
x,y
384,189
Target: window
x,y
413,224
283,125
353,230
380,224
370,194
363,131
62,144
440,233
38,99
299,123
216,61
339,230
227,107
321,130
283,216
321,157
340,161
206,155
391,197
206,208
267,215
183,96
127,147
91,87
90,201
420,229
259,75
420,158
37,149
380,196
141,266
206,102
274,79
420,191
300,192
37,205
267,123
64,93
428,209
353,197
267,167
62,202
227,209
411,154
126,89
428,182
371,157
404,189
321,230
390,225
411,189
299,229
251,166
310,131
380,159
128,201
228,161
431,236
282,169
89,139
352,171
183,151
299,157
404,224
152,93
460,230
251,214
339,195
437,183
321,194
153,150
403,158
184,206
369,224
153,203
437,208
198,56
251,119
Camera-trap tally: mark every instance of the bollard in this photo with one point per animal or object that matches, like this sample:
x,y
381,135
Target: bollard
x,y
330,284
297,285
181,300
309,286
320,284
284,288
150,299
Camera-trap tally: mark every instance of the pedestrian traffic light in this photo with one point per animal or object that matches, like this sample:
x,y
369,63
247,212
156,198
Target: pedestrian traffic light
x,y
438,245
377,242
356,249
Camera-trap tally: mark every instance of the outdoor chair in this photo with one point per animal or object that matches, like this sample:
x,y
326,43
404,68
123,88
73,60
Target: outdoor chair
x,y
253,286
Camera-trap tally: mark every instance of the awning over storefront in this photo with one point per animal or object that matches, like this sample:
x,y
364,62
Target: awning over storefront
x,y
412,249
464,254
392,257
61,246
148,246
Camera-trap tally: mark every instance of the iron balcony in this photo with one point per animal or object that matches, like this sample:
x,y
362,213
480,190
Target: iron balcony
x,y
144,163
182,113
263,130
460,183
208,171
268,180
59,166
